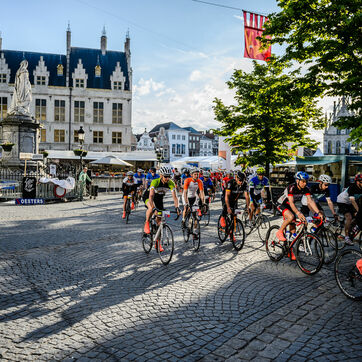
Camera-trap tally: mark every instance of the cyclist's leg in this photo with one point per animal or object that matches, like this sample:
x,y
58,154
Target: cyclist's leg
x,y
288,217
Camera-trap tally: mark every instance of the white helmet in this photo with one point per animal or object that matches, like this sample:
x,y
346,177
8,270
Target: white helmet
x,y
165,171
325,178
140,170
206,174
130,173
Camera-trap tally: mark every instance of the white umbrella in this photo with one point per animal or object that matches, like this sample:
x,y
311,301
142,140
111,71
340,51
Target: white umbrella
x,y
110,160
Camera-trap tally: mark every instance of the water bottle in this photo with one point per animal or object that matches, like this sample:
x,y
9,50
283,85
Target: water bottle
x,y
287,235
294,235
309,219
313,229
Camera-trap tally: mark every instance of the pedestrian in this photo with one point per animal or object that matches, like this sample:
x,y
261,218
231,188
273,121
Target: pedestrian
x,y
83,178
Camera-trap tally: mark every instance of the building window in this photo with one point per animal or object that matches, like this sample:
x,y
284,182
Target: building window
x,y
75,136
43,135
117,85
59,135
183,149
173,137
98,136
40,80
173,148
59,111
79,83
2,77
338,131
178,136
97,71
117,113
40,109
98,112
329,150
78,111
346,149
117,137
60,69
178,149
3,107
338,148
183,138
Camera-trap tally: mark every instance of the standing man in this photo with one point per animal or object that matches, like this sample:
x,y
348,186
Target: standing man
x,y
83,178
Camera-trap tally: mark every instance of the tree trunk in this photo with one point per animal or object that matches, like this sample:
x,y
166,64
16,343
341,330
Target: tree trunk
x,y
267,169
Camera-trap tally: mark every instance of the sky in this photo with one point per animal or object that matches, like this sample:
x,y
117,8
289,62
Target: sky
x,y
182,51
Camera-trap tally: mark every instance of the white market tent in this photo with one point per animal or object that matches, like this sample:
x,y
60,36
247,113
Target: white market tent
x,y
110,160
209,162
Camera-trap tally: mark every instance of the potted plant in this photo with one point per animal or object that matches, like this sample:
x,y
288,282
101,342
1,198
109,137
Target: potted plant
x,y
45,154
80,152
7,146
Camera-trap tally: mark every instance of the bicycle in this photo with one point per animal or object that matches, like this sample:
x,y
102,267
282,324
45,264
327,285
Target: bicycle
x,y
309,250
205,212
260,222
326,236
128,207
192,226
233,228
162,234
347,274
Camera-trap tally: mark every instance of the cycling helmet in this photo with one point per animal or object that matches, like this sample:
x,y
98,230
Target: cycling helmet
x,y
206,174
140,170
130,173
301,175
153,169
260,170
358,177
165,171
194,170
240,175
325,178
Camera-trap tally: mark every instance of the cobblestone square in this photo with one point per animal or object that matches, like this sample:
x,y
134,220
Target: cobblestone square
x,y
75,284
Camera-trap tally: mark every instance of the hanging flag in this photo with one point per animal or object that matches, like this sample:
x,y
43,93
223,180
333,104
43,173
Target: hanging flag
x,y
253,28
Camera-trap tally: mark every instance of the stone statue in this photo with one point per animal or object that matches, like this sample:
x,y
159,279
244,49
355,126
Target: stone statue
x,y
20,103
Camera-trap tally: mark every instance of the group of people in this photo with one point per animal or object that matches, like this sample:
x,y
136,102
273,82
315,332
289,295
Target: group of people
x,y
195,185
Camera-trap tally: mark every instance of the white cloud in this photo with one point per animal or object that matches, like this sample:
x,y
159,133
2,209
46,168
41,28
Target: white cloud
x,y
195,75
144,87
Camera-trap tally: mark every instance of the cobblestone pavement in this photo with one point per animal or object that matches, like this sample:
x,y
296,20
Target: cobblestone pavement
x,y
76,284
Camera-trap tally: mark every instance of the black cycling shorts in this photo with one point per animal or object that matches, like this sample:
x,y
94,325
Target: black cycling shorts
x,y
346,209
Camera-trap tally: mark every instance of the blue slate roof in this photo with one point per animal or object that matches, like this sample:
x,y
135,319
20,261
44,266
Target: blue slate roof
x,y
90,58
192,130
166,126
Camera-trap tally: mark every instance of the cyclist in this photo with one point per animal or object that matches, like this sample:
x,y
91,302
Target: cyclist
x,y
224,182
177,178
140,179
184,176
154,196
318,191
207,183
256,185
348,206
234,189
286,204
192,187
151,176
129,187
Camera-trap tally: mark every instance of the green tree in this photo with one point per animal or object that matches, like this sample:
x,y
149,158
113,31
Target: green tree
x,y
272,109
326,36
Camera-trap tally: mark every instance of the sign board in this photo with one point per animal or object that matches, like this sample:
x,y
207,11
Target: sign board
x,y
25,156
38,157
29,201
29,187
53,169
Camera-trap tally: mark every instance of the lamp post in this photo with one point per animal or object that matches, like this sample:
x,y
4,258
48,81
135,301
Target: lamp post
x,y
81,136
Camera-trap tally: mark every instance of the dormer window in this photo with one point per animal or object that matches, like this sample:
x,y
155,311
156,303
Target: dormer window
x,y
2,77
79,83
60,70
41,80
117,85
97,70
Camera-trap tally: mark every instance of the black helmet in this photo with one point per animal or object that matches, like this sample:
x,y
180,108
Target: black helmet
x,y
153,169
240,175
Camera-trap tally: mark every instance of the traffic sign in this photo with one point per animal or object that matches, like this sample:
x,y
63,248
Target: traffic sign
x,y
25,156
38,157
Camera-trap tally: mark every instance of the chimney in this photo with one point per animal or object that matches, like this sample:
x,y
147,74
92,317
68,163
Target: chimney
x,y
68,38
104,41
127,47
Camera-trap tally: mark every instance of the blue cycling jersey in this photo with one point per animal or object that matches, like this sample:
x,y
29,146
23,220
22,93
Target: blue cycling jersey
x,y
150,178
207,183
138,178
257,184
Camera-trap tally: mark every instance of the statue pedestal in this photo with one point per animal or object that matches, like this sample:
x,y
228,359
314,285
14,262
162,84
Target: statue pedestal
x,y
22,131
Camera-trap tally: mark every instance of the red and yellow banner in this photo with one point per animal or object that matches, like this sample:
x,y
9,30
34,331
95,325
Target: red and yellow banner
x,y
254,27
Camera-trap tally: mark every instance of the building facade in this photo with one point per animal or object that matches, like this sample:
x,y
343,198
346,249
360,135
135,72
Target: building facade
x,y
85,87
194,141
335,140
206,146
145,142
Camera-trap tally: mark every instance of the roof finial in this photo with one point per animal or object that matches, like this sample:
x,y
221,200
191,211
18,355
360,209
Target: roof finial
x,y
104,31
127,34
68,29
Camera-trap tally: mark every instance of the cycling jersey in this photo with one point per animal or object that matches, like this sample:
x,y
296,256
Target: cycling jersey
x,y
317,193
183,178
151,177
293,190
208,184
351,191
128,186
256,185
192,186
236,191
139,178
161,188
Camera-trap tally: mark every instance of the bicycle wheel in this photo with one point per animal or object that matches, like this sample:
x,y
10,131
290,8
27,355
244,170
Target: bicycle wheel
x,y
246,222
205,217
166,245
196,234
186,228
263,227
348,277
329,243
309,253
221,231
238,235
147,242
274,247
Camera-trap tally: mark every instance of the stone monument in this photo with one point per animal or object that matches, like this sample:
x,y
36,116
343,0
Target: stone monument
x,y
20,127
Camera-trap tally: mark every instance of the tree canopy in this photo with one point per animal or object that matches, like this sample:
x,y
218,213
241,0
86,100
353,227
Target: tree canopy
x,y
272,109
327,36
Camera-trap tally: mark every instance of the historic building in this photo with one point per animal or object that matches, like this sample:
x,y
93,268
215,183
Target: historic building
x,y
335,140
145,142
85,87
194,141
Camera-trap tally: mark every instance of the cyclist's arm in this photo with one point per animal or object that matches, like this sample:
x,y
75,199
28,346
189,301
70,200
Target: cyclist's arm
x,y
313,205
330,205
175,198
151,197
294,208
227,201
354,203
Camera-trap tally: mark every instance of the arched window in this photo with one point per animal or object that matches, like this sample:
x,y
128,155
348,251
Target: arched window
x,y
338,148
346,149
329,151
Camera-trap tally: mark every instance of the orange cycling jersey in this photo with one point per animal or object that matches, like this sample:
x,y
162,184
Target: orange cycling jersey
x,y
192,186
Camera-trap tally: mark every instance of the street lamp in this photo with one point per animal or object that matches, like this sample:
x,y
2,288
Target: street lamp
x,y
81,136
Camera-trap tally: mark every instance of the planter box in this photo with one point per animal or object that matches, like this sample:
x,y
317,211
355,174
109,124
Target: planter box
x,y
7,147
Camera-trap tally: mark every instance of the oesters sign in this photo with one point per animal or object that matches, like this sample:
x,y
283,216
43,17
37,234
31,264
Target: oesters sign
x,y
29,201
